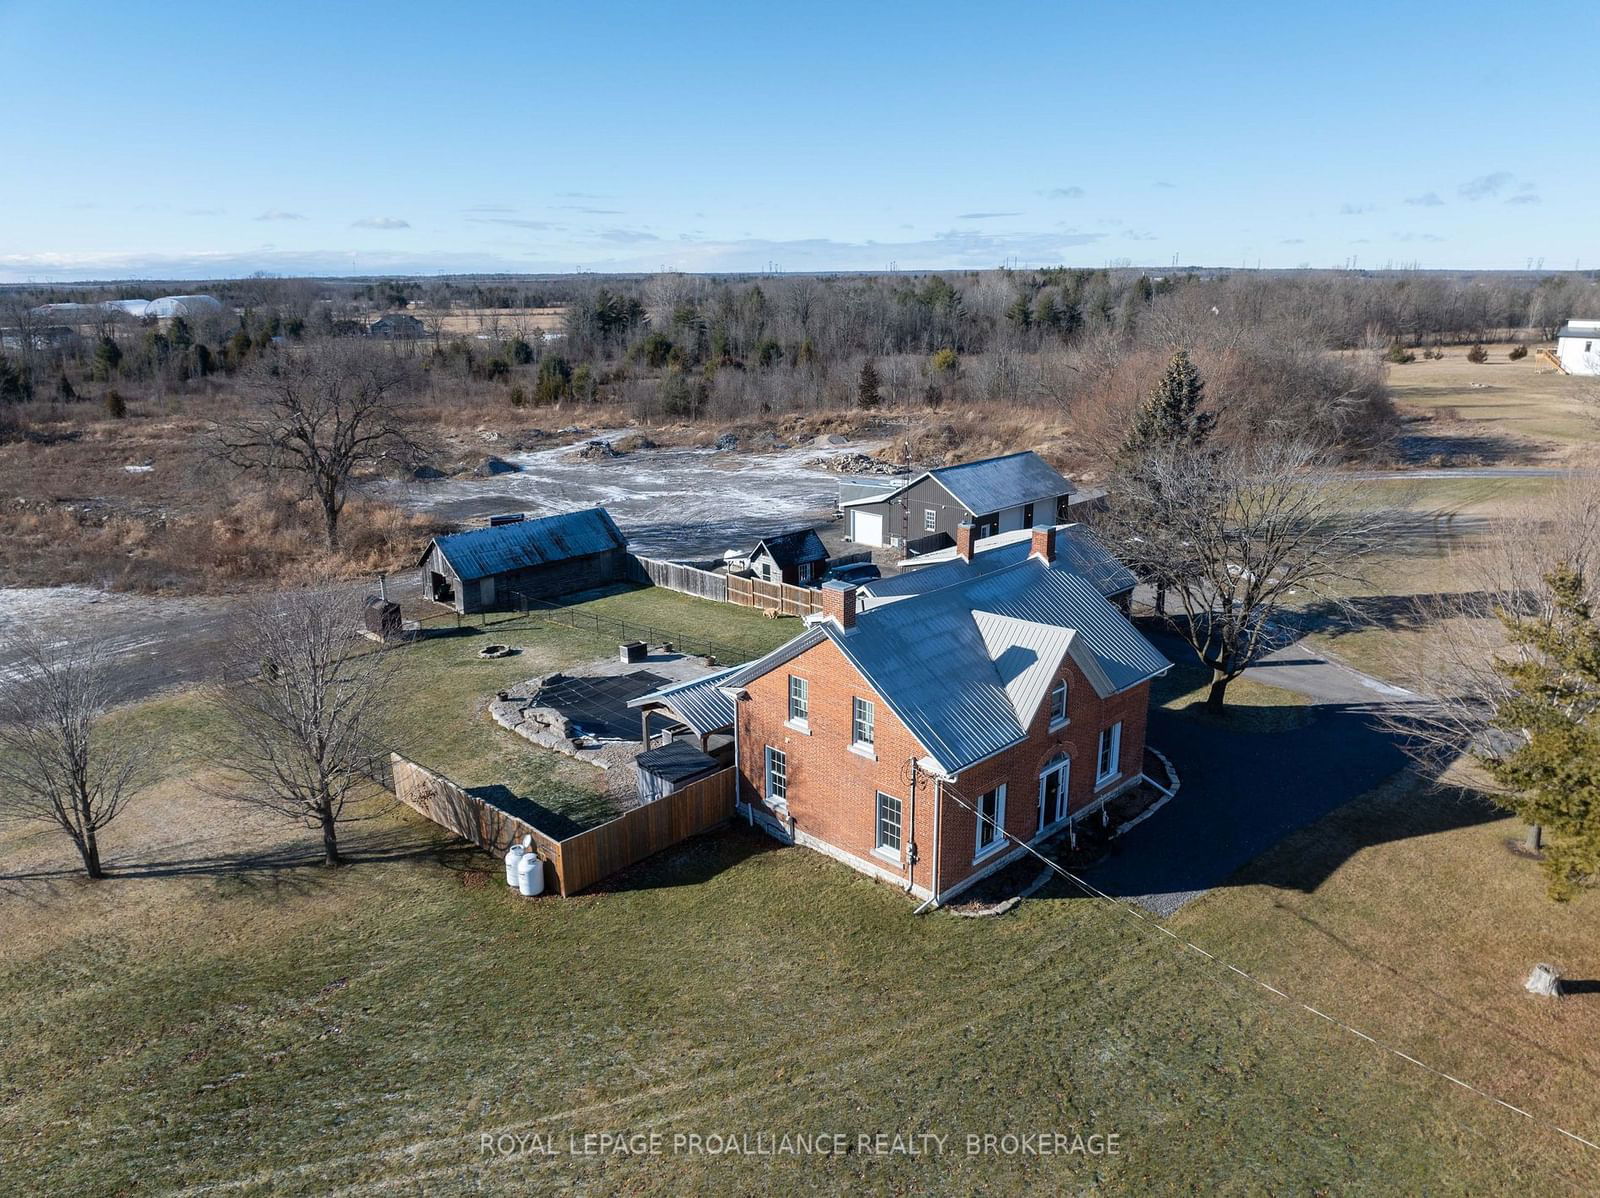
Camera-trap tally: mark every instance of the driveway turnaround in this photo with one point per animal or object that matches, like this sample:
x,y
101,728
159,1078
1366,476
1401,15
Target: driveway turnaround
x,y
1243,792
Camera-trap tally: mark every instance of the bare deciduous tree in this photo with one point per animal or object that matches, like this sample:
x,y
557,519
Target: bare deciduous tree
x,y
56,764
319,413
1237,534
302,697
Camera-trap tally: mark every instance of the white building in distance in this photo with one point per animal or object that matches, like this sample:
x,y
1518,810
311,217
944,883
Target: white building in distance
x,y
1578,347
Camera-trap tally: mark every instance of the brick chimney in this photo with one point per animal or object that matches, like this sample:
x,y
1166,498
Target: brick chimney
x,y
839,603
1044,544
966,536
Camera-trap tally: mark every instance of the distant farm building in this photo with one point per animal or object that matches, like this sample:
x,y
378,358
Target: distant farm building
x,y
1578,347
397,326
517,560
188,306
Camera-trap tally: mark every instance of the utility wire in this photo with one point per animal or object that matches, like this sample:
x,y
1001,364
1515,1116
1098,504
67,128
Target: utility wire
x,y
1145,919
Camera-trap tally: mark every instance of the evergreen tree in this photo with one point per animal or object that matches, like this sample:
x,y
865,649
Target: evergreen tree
x,y
15,385
64,391
868,394
107,357
1552,711
1172,415
1020,313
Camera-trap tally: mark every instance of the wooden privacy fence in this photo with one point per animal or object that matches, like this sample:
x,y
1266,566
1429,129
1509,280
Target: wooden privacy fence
x,y
780,597
677,576
581,860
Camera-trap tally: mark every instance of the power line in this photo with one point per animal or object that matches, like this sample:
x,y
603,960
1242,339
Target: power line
x,y
1144,919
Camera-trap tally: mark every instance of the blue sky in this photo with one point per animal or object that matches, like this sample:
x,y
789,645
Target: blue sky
x,y
187,140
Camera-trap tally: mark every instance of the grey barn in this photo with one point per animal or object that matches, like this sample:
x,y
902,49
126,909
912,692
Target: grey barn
x,y
515,559
997,495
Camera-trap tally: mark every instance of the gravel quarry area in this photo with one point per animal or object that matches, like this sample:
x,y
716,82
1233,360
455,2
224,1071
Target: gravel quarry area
x,y
671,502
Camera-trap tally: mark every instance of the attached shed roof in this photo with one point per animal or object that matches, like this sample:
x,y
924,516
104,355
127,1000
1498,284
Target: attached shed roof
x,y
482,552
964,667
700,702
791,548
989,485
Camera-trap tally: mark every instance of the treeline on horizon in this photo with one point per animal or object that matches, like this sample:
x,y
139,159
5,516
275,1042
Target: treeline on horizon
x,y
1084,342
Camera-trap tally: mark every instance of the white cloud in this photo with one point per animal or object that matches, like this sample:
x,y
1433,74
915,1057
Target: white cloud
x,y
1428,199
380,222
279,214
1485,186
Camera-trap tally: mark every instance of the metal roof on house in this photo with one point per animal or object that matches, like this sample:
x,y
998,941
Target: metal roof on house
x,y
1579,328
699,702
791,548
989,485
1077,550
961,665
481,552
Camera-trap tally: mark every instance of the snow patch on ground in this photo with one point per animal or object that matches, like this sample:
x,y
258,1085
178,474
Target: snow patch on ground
x,y
674,502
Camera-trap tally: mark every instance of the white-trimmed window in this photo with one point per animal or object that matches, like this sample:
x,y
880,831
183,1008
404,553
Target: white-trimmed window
x,y
1110,757
799,699
863,721
888,838
930,520
777,776
991,819
1058,704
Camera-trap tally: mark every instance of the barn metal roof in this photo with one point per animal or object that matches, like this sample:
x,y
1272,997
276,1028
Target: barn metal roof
x,y
481,552
988,485
699,702
1077,550
964,667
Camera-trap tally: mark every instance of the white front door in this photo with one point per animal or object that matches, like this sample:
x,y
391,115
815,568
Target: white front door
x,y
1053,793
866,528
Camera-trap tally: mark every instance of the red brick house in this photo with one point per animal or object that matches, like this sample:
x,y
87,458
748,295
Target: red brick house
x,y
1022,691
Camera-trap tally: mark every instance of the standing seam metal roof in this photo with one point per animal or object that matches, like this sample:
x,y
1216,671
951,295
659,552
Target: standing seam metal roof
x,y
700,702
989,485
1077,550
943,661
500,548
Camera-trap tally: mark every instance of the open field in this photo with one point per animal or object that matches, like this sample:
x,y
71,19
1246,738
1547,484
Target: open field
x,y
1499,409
497,322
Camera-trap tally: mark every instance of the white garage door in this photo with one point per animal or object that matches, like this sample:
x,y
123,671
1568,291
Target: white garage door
x,y
866,528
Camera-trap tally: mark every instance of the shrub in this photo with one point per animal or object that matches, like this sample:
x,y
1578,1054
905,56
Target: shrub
x,y
1398,353
116,406
1518,352
1477,354
943,361
519,397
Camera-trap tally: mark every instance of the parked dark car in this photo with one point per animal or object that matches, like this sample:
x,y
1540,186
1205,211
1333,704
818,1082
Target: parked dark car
x,y
856,572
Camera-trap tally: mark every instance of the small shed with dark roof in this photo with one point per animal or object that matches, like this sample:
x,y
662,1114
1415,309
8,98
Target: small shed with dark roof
x,y
798,558
515,560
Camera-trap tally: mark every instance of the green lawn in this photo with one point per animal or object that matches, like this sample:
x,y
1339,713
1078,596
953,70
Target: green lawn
x,y
366,1028
442,722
